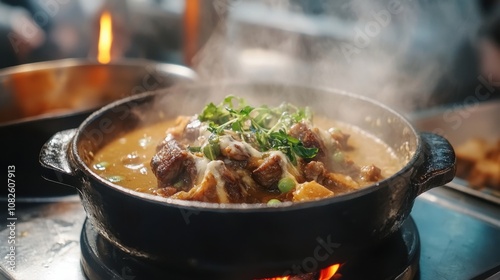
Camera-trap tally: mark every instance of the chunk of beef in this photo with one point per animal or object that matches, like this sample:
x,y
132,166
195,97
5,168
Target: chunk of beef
x,y
173,163
370,173
233,184
177,131
340,138
192,129
205,192
166,191
339,183
219,185
235,151
165,140
269,172
310,139
314,171
184,131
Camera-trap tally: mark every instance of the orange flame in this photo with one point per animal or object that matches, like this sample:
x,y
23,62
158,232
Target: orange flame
x,y
105,39
327,273
278,278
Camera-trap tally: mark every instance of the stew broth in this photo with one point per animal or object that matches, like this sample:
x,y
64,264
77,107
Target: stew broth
x,y
126,160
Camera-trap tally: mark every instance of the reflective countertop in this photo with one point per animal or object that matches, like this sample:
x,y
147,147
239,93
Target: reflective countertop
x,y
460,237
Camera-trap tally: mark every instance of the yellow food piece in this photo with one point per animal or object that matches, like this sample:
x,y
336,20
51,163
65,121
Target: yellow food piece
x,y
310,191
478,162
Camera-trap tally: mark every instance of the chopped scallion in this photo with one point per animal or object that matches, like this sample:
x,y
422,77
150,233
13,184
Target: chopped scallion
x,y
211,150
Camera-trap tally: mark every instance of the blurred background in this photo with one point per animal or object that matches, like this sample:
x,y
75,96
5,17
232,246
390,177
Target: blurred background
x,y
410,54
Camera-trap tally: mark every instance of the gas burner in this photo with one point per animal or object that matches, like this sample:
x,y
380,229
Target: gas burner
x,y
397,257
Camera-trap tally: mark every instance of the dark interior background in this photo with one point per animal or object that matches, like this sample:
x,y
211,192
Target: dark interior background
x,y
428,54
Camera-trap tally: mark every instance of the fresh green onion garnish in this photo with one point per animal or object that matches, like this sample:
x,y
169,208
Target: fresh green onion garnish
x,y
211,150
194,149
264,127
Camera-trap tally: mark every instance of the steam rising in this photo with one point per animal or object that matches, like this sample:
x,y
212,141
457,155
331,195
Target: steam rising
x,y
394,51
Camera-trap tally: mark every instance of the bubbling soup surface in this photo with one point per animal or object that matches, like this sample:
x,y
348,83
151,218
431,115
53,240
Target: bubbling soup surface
x,y
359,161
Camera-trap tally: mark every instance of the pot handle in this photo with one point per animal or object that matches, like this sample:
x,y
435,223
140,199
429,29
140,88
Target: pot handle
x,y
438,167
55,159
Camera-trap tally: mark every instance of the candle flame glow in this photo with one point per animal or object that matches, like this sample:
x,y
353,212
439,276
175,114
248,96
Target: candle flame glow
x,y
105,38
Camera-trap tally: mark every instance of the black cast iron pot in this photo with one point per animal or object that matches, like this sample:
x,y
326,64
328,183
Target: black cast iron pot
x,y
247,241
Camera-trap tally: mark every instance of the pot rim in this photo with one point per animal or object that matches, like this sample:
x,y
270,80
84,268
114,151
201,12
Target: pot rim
x,y
75,62
173,69
241,207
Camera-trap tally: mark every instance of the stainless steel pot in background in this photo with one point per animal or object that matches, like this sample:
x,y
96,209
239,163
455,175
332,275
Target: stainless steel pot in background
x,y
40,99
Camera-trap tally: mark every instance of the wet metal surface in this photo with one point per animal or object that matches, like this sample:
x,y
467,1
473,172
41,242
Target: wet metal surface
x,y
460,237
47,240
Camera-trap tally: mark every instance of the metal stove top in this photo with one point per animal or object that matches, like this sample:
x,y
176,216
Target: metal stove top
x,y
460,238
